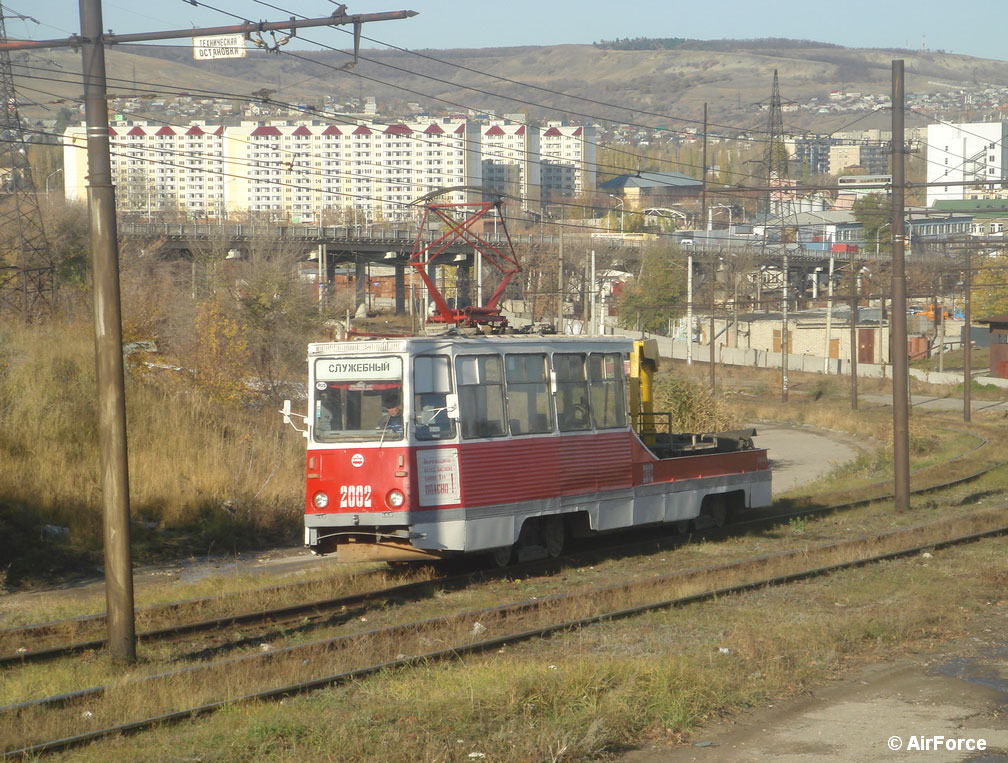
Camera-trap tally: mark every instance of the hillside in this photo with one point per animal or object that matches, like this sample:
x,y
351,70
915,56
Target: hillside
x,y
643,86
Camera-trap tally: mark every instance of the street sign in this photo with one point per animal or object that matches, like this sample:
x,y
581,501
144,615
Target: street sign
x,y
219,46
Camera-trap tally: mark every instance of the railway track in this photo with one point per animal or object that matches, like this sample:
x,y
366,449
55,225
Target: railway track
x,y
471,631
51,640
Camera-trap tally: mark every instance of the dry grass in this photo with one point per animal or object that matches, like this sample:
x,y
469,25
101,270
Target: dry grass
x,y
228,476
187,688
578,695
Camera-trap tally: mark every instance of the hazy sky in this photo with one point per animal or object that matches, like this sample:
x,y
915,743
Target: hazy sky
x,y
973,27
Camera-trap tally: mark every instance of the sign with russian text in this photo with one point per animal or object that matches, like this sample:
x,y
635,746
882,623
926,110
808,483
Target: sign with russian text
x,y
438,477
358,369
218,46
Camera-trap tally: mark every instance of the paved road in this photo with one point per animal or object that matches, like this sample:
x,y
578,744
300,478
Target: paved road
x,y
799,455
949,404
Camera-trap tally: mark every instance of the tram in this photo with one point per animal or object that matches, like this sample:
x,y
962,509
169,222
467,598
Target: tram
x,y
429,447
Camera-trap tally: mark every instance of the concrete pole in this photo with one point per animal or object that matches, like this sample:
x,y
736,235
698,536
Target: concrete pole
x,y
829,317
784,333
900,363
108,344
321,277
560,287
853,332
593,292
968,337
689,309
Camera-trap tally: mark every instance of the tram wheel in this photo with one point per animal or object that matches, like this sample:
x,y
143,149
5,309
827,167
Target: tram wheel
x,y
553,535
502,557
719,514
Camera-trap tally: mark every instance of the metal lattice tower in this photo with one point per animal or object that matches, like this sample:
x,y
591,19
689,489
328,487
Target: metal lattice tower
x,y
776,153
27,273
776,156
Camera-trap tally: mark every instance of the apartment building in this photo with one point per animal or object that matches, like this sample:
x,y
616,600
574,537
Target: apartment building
x,y
567,155
283,170
510,161
962,159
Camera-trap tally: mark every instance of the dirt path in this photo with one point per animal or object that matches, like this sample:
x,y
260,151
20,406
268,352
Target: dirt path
x,y
958,692
882,712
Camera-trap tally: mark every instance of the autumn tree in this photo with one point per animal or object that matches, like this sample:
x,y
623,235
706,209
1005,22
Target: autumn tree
x,y
990,287
659,292
874,212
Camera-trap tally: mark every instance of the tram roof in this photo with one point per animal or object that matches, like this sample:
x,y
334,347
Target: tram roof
x,y
425,344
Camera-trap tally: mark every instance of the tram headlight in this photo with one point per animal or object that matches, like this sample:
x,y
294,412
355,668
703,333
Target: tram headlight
x,y
321,500
395,498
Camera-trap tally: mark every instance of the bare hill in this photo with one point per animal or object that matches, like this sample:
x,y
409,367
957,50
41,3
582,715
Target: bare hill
x,y
651,87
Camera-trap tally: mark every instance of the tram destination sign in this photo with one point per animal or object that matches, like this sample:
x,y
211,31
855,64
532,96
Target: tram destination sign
x,y
358,369
218,46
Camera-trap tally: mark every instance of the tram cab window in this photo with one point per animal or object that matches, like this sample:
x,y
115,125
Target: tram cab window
x,y
355,399
528,394
431,387
571,392
608,402
480,380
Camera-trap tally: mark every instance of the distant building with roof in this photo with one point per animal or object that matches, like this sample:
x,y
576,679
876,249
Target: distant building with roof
x,y
284,169
567,158
964,159
990,216
648,189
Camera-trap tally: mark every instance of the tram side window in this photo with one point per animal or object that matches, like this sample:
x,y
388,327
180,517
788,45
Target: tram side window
x,y
528,394
431,386
572,392
480,380
608,404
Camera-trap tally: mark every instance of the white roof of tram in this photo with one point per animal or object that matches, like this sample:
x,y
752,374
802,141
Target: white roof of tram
x,y
423,345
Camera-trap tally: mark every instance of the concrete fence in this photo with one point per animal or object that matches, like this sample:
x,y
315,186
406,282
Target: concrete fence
x,y
740,356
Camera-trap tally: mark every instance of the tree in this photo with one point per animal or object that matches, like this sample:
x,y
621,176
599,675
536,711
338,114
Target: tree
x,y
658,294
990,288
874,211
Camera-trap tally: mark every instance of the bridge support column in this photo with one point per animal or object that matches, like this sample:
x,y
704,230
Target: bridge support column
x,y
432,274
360,281
400,289
463,285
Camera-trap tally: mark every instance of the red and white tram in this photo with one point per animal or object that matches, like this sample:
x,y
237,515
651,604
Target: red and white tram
x,y
428,447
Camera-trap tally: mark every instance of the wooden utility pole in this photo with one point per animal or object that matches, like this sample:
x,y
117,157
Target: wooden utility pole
x,y
108,343
105,259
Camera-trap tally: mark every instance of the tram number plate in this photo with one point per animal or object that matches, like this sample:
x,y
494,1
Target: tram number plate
x,y
355,497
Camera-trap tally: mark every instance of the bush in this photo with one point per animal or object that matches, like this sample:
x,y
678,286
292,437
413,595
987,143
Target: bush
x,y
692,406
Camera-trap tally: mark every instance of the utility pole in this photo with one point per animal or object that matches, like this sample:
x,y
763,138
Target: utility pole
x,y
689,308
107,309
829,318
967,336
560,285
108,343
784,331
713,280
853,332
900,388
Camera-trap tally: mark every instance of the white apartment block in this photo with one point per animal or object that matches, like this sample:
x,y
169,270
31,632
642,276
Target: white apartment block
x,y
155,167
286,170
975,152
567,154
510,161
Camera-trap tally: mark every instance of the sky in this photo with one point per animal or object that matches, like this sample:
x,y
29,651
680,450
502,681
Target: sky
x,y
973,27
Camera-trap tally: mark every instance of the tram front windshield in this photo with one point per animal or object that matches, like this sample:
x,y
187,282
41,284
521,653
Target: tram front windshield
x,y
358,399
